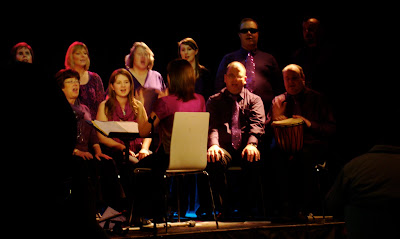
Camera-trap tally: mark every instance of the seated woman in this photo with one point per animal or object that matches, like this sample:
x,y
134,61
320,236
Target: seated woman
x,y
181,98
87,159
122,106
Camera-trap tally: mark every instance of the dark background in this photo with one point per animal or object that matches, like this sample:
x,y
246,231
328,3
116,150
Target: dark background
x,y
362,38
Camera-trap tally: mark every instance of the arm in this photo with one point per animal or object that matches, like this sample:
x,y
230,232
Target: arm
x,y
257,124
103,139
214,152
98,154
142,120
145,127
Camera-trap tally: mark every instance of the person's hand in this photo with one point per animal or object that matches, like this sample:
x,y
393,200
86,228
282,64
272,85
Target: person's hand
x,y
139,95
214,154
142,154
101,155
84,155
308,123
119,147
278,108
252,153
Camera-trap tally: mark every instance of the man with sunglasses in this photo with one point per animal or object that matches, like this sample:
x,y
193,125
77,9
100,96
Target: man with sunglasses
x,y
266,80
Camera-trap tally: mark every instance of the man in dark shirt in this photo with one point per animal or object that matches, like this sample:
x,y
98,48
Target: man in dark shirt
x,y
296,175
268,78
223,150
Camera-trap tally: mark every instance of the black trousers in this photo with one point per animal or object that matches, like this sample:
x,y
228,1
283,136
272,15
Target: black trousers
x,y
242,188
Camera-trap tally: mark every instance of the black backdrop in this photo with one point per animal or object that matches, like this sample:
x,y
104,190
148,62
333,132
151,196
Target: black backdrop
x,y
366,87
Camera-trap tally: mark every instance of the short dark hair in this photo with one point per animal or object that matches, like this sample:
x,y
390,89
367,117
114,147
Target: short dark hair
x,y
64,74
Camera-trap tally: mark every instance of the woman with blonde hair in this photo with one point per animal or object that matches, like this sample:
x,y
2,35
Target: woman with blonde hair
x,y
147,82
91,85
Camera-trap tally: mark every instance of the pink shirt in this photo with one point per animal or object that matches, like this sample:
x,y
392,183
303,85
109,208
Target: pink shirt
x,y
165,109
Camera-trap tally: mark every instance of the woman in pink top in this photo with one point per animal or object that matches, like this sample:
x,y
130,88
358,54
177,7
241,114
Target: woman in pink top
x,y
180,98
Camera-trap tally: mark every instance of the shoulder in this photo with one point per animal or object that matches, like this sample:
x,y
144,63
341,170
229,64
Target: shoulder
x,y
155,74
163,101
231,54
253,97
102,105
219,95
203,70
216,98
266,56
199,97
94,75
316,95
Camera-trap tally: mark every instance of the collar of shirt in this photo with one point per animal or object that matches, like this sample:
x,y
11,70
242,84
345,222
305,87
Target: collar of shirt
x,y
244,52
228,94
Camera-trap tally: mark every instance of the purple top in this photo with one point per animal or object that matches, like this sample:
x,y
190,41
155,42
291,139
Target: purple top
x,y
153,82
251,118
165,109
86,134
92,93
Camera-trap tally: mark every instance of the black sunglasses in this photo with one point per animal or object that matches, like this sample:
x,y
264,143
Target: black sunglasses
x,y
246,30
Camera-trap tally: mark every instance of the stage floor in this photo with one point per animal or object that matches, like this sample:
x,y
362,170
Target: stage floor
x,y
247,229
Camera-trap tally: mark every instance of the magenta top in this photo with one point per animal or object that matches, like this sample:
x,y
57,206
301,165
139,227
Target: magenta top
x,y
128,115
165,109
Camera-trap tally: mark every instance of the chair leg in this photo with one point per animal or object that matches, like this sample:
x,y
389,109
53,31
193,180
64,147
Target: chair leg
x,y
212,199
166,202
178,193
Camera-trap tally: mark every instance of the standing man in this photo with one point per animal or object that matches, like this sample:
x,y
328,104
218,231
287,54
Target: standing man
x,y
263,75
237,119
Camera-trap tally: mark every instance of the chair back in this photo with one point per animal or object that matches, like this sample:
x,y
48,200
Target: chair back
x,y
189,139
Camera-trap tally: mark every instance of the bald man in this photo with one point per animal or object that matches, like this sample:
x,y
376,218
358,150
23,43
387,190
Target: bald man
x,y
226,147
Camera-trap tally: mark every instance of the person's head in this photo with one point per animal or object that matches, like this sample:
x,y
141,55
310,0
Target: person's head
x,y
77,56
120,85
22,52
311,31
235,77
188,50
68,81
140,57
248,34
294,79
181,79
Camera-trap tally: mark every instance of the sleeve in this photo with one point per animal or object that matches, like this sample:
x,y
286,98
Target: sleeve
x,y
161,109
162,83
257,120
213,136
94,139
326,126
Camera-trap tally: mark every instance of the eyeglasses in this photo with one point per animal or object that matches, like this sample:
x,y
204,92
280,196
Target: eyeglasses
x,y
246,30
72,81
